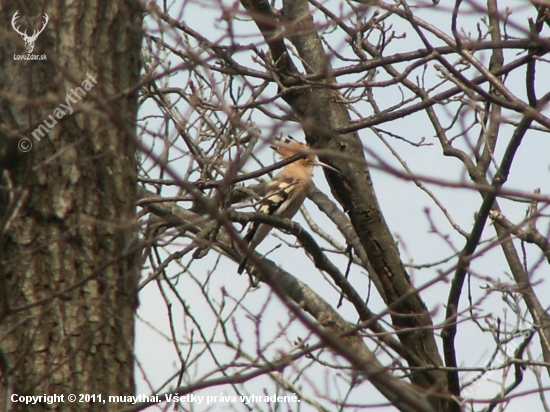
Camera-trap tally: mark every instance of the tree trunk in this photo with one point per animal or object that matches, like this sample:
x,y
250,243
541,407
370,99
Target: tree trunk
x,y
68,267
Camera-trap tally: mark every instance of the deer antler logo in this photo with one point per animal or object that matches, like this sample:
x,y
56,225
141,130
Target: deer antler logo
x,y
29,40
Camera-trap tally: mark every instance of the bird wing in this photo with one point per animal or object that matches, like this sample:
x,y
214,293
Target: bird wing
x,y
279,201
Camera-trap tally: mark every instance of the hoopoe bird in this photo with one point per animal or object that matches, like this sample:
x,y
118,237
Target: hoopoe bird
x,y
285,193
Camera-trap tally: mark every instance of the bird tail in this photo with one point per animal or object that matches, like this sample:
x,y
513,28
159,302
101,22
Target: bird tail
x,y
242,265
248,240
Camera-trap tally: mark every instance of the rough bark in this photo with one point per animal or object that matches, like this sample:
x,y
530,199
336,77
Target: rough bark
x,y
68,267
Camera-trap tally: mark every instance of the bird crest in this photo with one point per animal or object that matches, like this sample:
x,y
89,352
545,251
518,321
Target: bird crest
x,y
289,147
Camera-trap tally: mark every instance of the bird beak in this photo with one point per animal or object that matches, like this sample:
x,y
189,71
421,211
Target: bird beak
x,y
318,163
